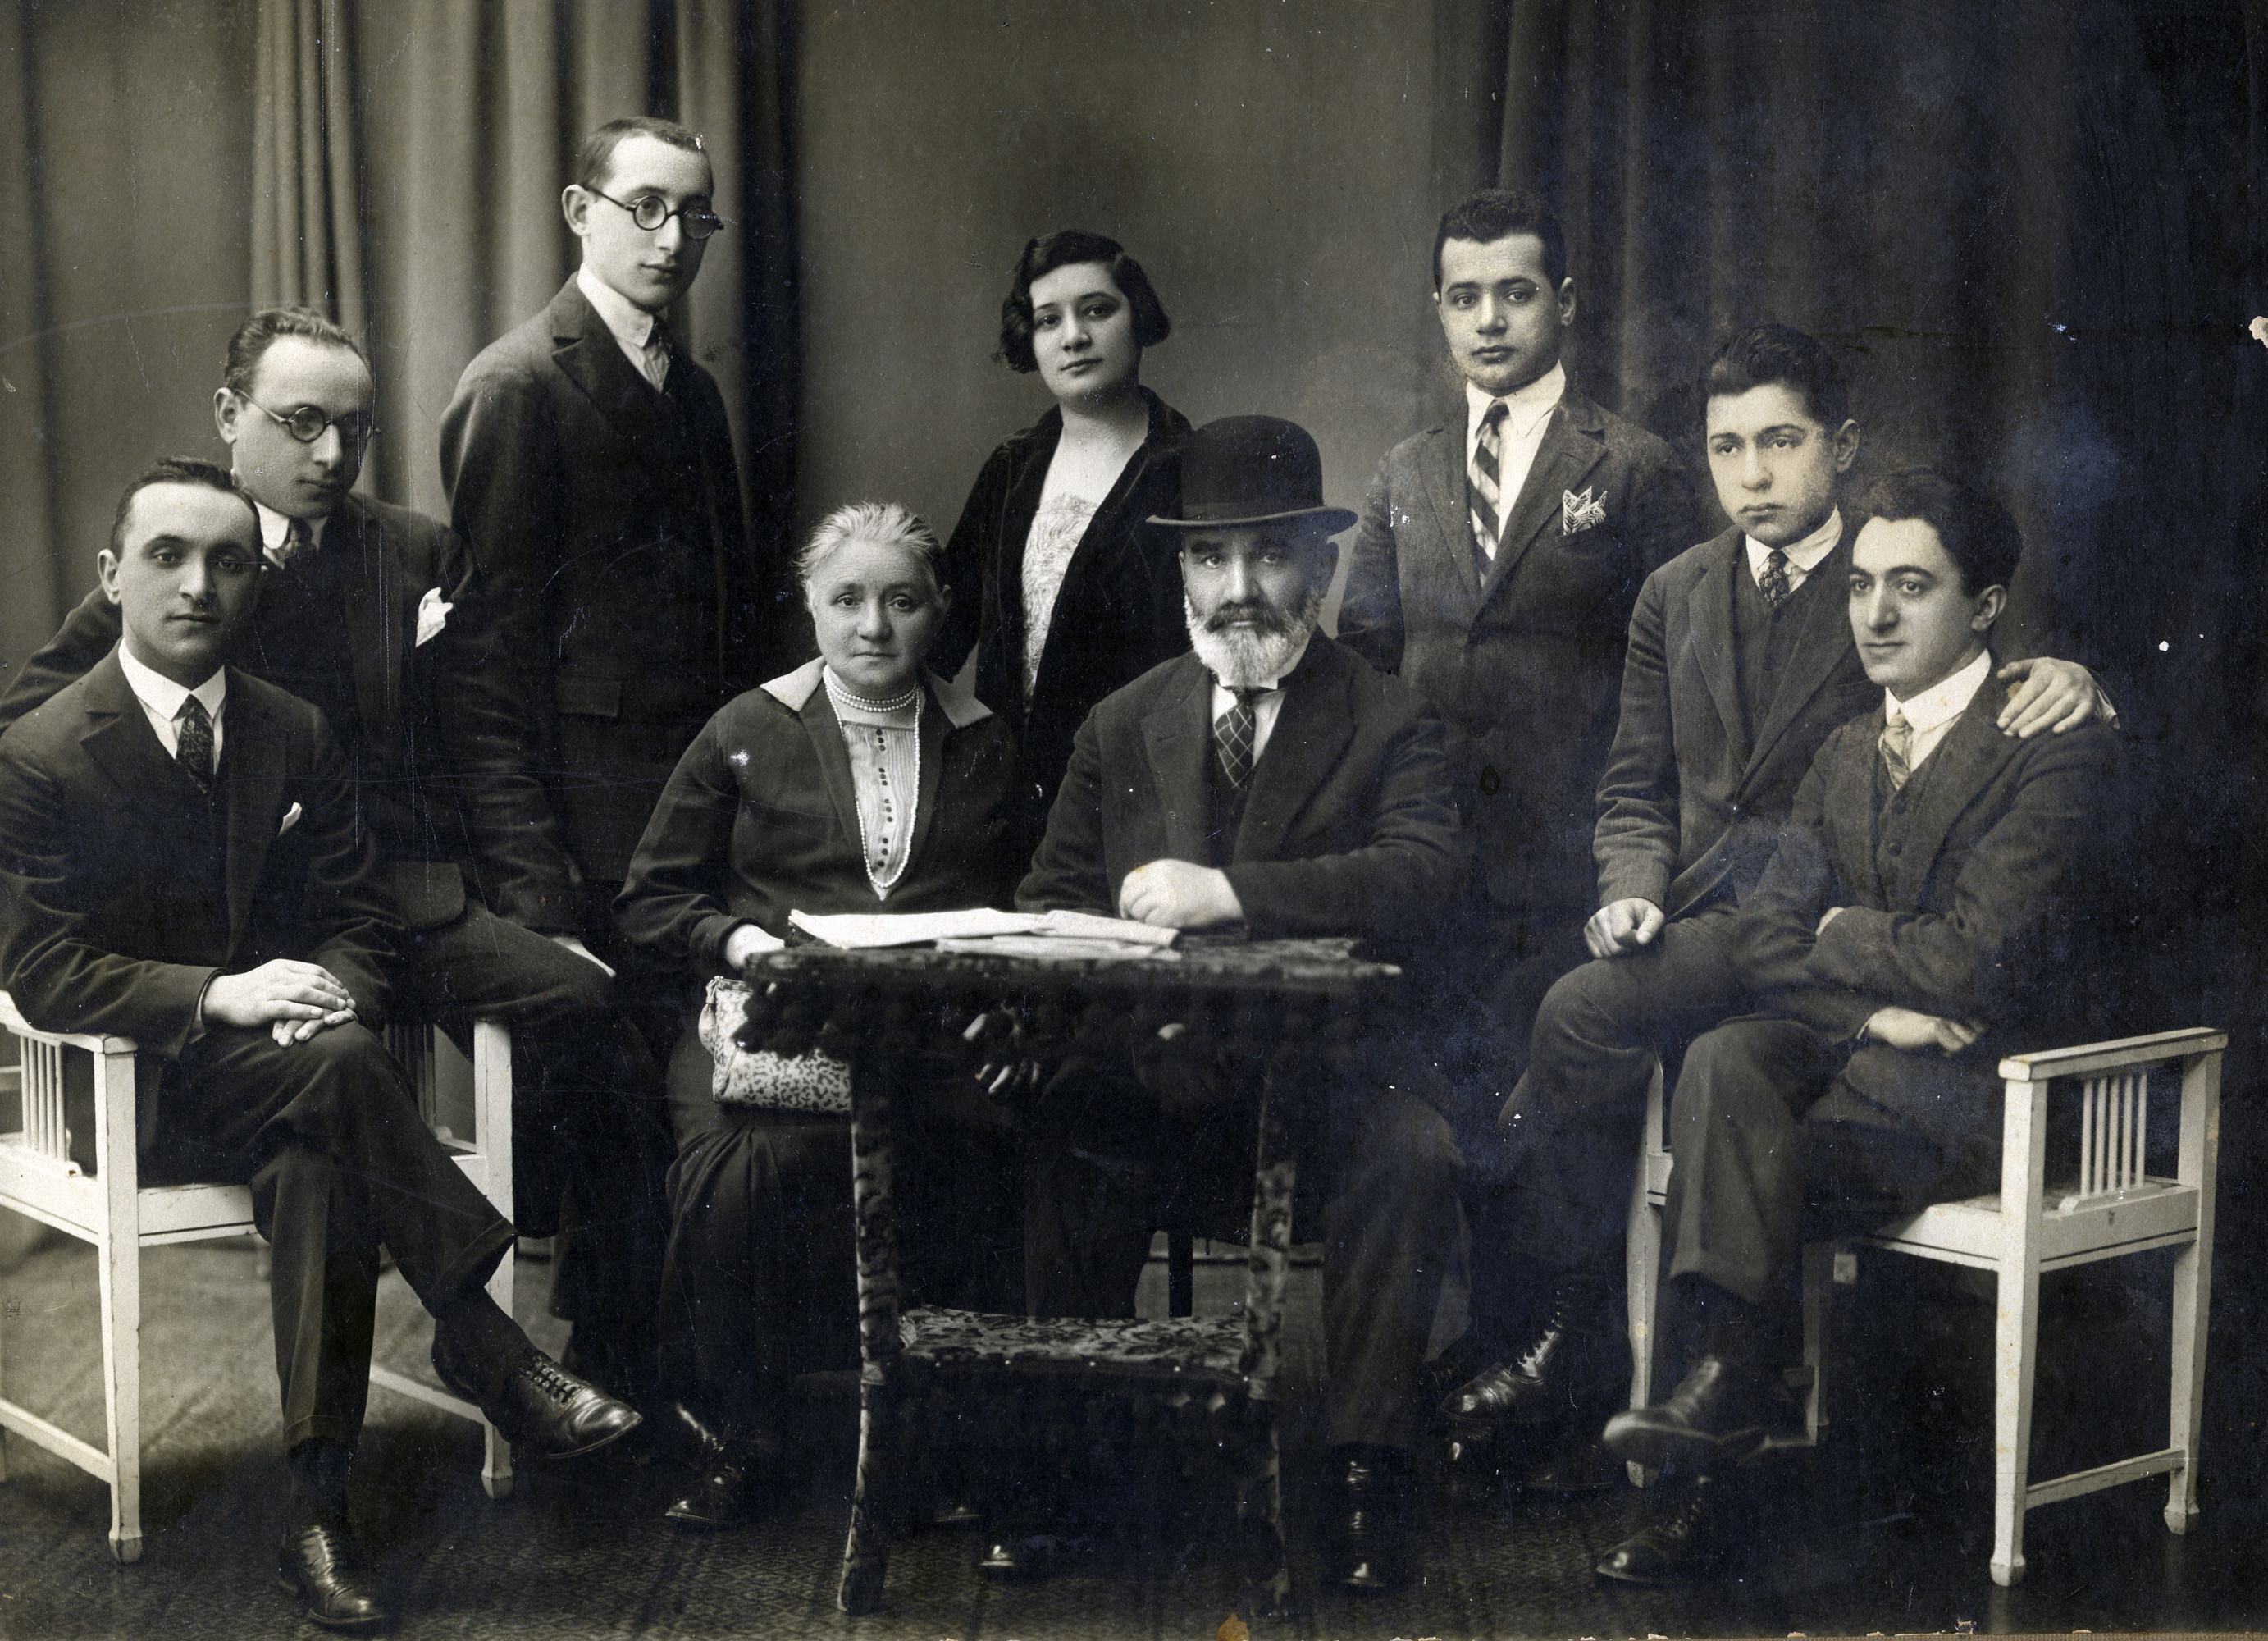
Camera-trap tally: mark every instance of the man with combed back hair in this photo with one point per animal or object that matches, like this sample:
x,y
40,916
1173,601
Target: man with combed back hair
x,y
183,861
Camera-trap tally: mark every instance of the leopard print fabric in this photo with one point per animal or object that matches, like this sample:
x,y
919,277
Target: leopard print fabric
x,y
813,1082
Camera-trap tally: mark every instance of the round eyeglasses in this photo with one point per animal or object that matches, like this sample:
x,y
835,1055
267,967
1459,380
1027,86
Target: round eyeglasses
x,y
651,211
306,424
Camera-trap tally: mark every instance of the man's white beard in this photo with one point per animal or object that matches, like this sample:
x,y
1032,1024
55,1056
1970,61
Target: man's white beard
x,y
1244,657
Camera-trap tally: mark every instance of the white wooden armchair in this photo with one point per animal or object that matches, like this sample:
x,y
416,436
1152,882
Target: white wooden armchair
x,y
66,1079
2114,1207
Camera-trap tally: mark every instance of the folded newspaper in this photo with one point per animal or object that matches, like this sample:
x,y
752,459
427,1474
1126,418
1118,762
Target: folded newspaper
x,y
863,931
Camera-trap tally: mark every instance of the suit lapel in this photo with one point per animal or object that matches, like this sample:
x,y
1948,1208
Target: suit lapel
x,y
1850,807
1822,646
1708,634
1178,737
929,732
1574,442
119,739
1444,468
1971,754
252,788
370,615
1313,729
588,356
826,733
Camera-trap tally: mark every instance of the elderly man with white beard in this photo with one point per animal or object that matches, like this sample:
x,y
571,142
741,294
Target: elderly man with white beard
x,y
1269,780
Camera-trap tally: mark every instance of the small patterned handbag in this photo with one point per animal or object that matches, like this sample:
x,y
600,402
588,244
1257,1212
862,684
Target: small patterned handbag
x,y
814,1081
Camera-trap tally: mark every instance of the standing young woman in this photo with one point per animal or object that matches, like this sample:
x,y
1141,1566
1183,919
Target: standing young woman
x,y
1074,594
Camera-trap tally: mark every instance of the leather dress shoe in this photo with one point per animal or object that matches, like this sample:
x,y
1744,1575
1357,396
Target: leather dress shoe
x,y
544,1411
1025,1558
1365,1540
1577,1462
1571,1368
325,1567
1686,1540
1720,1415
734,1481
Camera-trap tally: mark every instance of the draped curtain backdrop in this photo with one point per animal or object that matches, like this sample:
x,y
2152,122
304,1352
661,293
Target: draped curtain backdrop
x,y
396,164
2027,232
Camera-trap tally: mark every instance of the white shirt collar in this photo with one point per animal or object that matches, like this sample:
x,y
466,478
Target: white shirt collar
x,y
1803,557
274,526
1943,701
632,325
162,698
1524,407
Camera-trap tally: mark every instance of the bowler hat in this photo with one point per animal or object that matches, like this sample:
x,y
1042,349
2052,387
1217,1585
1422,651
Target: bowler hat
x,y
1251,470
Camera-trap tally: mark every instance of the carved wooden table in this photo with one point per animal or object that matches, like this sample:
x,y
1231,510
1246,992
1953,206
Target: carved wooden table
x,y
1270,1024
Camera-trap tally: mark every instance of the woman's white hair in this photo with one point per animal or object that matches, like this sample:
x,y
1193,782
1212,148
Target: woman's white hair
x,y
884,523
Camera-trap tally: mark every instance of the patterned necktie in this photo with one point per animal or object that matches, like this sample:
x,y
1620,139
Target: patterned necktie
x,y
1488,493
1773,582
1231,738
1897,747
193,752
297,537
657,357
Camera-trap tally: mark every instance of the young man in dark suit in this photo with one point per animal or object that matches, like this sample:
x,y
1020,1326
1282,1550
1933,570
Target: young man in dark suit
x,y
1497,558
590,467
182,861
372,612
1927,911
1267,779
1740,664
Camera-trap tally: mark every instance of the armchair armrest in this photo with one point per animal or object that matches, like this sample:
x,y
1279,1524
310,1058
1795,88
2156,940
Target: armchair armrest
x,y
2086,1059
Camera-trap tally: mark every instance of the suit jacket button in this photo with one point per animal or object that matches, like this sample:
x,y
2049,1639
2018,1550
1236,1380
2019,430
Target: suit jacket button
x,y
1896,848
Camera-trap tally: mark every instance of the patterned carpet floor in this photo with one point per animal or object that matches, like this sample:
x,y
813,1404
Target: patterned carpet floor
x,y
1886,1530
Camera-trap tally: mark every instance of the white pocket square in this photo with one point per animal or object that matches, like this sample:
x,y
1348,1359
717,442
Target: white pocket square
x,y
291,819
432,615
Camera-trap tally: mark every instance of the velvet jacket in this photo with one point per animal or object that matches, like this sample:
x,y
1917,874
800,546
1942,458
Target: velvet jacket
x,y
1117,614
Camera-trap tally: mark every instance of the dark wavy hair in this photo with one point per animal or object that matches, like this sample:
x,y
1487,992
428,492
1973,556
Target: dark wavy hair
x,y
1064,249
1765,354
1497,213
596,156
1978,534
256,335
176,471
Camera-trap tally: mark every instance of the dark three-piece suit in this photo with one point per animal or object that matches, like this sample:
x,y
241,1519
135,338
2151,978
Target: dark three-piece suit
x,y
1977,893
427,719
124,889
1524,666
605,517
1347,826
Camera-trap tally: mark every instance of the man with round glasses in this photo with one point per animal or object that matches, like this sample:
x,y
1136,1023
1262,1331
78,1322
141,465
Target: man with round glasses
x,y
590,468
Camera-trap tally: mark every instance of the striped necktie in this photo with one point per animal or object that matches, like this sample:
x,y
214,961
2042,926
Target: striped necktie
x,y
297,537
1231,737
1897,747
1487,493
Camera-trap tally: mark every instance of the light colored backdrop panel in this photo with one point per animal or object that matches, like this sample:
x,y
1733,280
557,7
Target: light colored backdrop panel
x,y
1269,166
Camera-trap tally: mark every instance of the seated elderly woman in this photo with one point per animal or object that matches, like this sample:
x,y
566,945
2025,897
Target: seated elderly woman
x,y
859,782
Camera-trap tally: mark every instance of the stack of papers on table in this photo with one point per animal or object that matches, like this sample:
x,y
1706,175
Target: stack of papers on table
x,y
977,929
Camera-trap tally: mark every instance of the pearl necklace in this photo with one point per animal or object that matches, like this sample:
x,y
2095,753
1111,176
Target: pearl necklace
x,y
873,858
840,694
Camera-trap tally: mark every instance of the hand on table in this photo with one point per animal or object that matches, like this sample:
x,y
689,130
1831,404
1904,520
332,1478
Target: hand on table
x,y
1178,894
